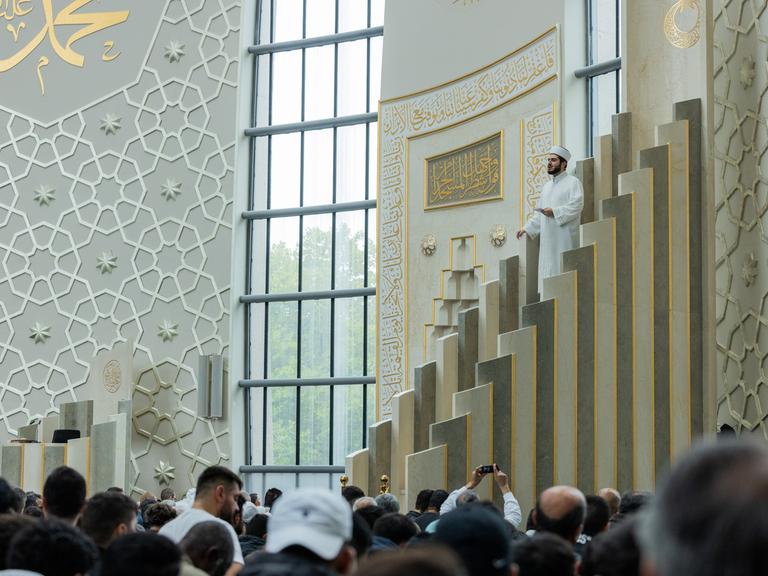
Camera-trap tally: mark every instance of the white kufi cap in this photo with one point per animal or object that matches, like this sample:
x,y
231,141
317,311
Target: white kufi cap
x,y
562,152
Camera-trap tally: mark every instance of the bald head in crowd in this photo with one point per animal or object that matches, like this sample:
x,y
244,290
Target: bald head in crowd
x,y
561,510
612,498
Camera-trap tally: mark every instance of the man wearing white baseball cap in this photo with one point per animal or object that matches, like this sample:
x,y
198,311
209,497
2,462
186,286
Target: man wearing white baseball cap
x,y
308,534
557,214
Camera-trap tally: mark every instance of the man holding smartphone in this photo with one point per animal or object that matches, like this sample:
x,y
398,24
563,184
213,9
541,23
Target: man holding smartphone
x,y
512,512
557,214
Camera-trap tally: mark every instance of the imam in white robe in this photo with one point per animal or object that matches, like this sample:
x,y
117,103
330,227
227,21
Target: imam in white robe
x,y
565,196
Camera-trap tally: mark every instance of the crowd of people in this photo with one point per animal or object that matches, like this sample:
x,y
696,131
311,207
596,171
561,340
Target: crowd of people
x,y
709,516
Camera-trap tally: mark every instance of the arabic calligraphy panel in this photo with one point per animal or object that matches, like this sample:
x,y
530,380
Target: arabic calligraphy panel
x,y
473,173
537,134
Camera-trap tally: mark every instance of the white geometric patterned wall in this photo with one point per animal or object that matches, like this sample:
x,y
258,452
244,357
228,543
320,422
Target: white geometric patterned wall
x,y
116,225
741,189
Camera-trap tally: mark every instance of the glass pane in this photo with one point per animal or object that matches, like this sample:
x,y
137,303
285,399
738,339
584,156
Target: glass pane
x,y
316,339
353,15
286,87
348,337
318,167
350,161
373,160
370,391
318,97
377,12
604,30
289,15
315,425
257,424
372,247
350,249
262,91
321,17
284,255
374,94
320,481
352,77
316,257
371,349
603,102
281,345
347,422
281,426
285,170
260,172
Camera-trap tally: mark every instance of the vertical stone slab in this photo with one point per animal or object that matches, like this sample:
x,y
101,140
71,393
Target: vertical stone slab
x,y
488,322
79,458
379,454
477,403
637,184
32,471
425,469
621,147
603,235
690,110
621,208
54,455
469,329
583,262
521,345
675,135
48,425
402,438
530,286
29,432
77,416
103,460
562,289
603,172
110,379
454,433
500,373
447,375
424,390
356,467
509,294
542,315
11,463
585,172
658,159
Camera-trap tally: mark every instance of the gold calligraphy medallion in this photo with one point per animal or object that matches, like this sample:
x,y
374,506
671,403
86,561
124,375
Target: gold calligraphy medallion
x,y
677,36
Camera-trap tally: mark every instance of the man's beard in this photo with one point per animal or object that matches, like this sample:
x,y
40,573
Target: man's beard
x,y
553,171
228,519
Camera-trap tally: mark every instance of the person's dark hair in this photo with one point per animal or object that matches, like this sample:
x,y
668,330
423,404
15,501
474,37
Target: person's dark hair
x,y
428,560
30,499
361,535
167,494
21,498
145,504
254,497
598,514
33,512
370,514
64,493
437,499
144,553
158,515
479,537
351,493
10,524
631,502
209,546
544,554
52,548
213,476
271,496
103,513
388,502
395,527
115,489
566,526
422,499
8,498
257,526
530,523
613,553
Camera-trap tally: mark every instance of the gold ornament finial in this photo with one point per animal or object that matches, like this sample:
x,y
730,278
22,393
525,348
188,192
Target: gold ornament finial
x,y
344,480
384,487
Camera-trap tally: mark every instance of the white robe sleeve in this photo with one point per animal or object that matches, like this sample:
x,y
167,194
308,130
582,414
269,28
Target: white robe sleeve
x,y
533,227
573,207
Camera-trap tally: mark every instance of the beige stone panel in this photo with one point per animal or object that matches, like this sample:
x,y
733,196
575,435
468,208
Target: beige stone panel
x,y
356,465
488,330
522,343
32,468
603,172
639,183
447,375
563,289
425,469
603,235
478,403
676,135
402,438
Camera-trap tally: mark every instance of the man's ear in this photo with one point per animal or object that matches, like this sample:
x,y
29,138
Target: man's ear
x,y
220,492
345,561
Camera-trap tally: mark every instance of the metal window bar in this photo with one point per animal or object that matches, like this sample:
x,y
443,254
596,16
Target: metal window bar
x,y
267,469
309,210
302,296
605,67
322,124
289,382
304,43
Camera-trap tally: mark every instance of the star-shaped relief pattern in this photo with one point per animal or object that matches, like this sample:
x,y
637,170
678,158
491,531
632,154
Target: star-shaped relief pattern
x,y
44,195
170,189
40,333
168,331
106,262
749,269
747,72
110,124
164,473
174,51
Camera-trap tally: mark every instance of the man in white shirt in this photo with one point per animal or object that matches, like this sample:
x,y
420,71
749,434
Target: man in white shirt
x,y
512,512
215,499
557,214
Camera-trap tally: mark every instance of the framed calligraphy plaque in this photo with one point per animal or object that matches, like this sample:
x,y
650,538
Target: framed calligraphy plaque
x,y
466,175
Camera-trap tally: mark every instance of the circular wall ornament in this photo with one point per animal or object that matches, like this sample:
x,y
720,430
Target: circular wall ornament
x,y
677,36
428,245
498,235
112,376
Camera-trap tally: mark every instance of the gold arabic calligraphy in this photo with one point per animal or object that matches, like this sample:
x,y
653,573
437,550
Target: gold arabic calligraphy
x,y
469,174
